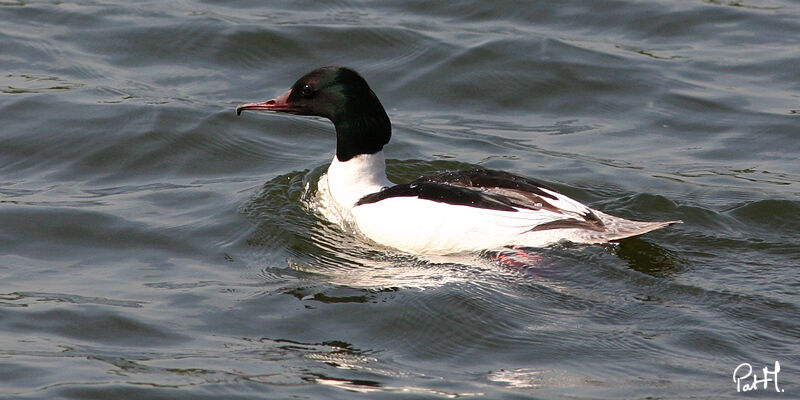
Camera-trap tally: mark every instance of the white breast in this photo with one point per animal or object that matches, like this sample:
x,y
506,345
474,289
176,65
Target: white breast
x,y
361,175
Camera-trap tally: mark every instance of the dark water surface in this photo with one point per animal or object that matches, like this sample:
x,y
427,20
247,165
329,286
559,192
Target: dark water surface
x,y
153,245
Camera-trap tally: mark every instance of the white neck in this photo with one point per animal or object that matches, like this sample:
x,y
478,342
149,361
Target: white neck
x,y
361,175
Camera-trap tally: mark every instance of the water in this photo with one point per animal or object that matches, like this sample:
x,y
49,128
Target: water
x,y
153,245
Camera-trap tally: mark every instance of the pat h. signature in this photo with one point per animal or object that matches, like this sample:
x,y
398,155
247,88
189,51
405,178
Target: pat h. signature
x,y
744,371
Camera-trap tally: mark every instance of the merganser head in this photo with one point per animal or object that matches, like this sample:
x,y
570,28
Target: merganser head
x,y
342,96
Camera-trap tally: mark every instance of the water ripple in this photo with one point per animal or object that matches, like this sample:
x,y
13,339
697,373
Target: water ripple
x,y
153,244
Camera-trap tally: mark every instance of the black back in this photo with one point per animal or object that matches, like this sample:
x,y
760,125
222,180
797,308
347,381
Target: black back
x,y
463,188
442,193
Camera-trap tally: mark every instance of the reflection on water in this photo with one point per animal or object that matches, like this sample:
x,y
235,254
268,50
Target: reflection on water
x,y
649,258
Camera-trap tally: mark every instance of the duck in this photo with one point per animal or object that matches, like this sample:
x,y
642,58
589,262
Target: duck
x,y
449,212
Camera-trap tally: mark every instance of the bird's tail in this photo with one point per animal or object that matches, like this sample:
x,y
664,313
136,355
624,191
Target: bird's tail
x,y
621,228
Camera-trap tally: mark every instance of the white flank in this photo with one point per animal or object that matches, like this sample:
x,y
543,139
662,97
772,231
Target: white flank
x,y
423,226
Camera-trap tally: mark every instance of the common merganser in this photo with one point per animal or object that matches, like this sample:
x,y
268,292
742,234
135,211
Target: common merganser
x,y
445,213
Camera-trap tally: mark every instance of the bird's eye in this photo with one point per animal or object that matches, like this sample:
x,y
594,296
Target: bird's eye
x,y
306,90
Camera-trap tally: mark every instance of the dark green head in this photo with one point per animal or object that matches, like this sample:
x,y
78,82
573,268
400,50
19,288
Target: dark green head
x,y
342,96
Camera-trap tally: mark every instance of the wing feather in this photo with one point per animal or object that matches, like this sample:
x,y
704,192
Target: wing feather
x,y
500,191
